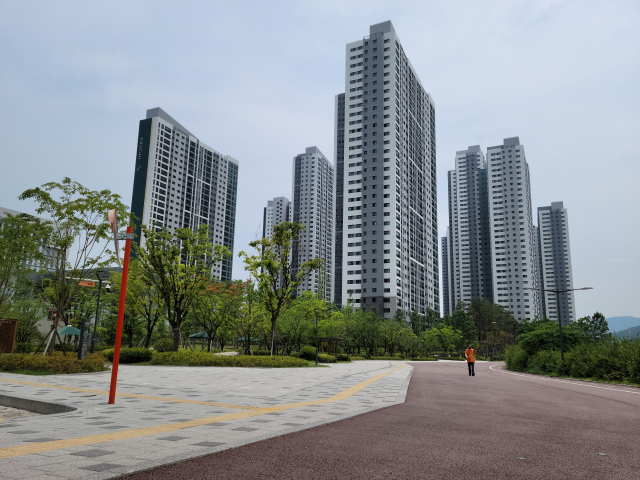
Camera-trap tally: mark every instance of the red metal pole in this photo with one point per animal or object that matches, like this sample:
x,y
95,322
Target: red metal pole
x,y
123,298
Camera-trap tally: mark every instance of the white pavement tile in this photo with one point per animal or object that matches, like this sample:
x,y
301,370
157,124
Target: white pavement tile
x,y
253,387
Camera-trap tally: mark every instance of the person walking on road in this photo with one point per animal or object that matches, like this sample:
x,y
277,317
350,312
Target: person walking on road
x,y
470,355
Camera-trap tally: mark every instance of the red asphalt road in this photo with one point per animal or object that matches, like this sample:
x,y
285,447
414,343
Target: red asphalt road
x,y
453,426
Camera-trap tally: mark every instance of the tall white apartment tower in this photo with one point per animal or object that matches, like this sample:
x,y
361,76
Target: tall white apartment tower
x,y
444,256
514,246
555,262
386,223
313,206
180,182
277,211
468,264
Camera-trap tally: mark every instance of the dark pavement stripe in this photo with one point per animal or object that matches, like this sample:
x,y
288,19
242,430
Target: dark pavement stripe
x,y
491,426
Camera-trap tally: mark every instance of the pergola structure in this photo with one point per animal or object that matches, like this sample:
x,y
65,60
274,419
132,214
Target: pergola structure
x,y
332,344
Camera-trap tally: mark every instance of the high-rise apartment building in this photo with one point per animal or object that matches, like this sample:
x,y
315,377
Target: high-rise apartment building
x,y
313,206
555,262
277,211
444,256
514,245
386,221
468,264
180,182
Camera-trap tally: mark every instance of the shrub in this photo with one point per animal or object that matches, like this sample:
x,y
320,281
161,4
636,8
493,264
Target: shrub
x,y
308,352
516,358
130,355
355,358
325,358
262,353
163,345
545,362
203,359
342,357
103,346
25,347
613,361
56,363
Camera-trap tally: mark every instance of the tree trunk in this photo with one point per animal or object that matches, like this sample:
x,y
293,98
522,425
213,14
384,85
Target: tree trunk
x,y
176,337
273,336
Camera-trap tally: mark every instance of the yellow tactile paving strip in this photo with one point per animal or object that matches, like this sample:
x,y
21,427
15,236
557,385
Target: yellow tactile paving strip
x,y
130,395
172,427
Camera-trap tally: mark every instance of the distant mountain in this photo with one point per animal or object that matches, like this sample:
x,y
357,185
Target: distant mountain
x,y
617,324
632,332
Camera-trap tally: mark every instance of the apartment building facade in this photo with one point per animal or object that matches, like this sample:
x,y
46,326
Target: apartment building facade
x,y
386,221
313,205
556,272
468,267
277,211
514,242
180,182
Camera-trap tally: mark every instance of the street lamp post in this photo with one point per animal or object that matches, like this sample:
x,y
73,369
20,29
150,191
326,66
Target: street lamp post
x,y
558,292
316,337
100,274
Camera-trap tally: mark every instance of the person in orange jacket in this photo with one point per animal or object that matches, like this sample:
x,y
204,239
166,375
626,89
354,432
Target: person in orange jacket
x,y
470,354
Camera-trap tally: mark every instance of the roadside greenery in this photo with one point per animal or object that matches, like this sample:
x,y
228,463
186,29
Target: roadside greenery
x,y
55,363
203,359
590,351
178,311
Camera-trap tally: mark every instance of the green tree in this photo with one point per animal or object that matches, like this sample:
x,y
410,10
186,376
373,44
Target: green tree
x,y
369,330
245,319
431,340
418,322
178,268
298,321
78,220
271,268
462,322
545,335
21,238
132,322
145,300
595,328
29,309
220,302
448,337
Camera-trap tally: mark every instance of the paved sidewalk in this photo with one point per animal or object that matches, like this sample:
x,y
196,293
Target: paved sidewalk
x,y
175,413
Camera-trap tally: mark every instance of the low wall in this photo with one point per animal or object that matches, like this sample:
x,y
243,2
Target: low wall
x,y
35,406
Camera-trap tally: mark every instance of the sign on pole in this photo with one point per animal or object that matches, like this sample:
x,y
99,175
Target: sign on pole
x,y
86,283
113,220
128,237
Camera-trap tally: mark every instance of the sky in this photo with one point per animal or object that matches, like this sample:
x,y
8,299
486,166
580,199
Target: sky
x,y
257,81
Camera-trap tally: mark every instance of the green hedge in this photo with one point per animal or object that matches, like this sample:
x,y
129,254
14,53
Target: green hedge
x,y
326,358
342,357
203,359
308,352
615,361
130,355
56,363
25,347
